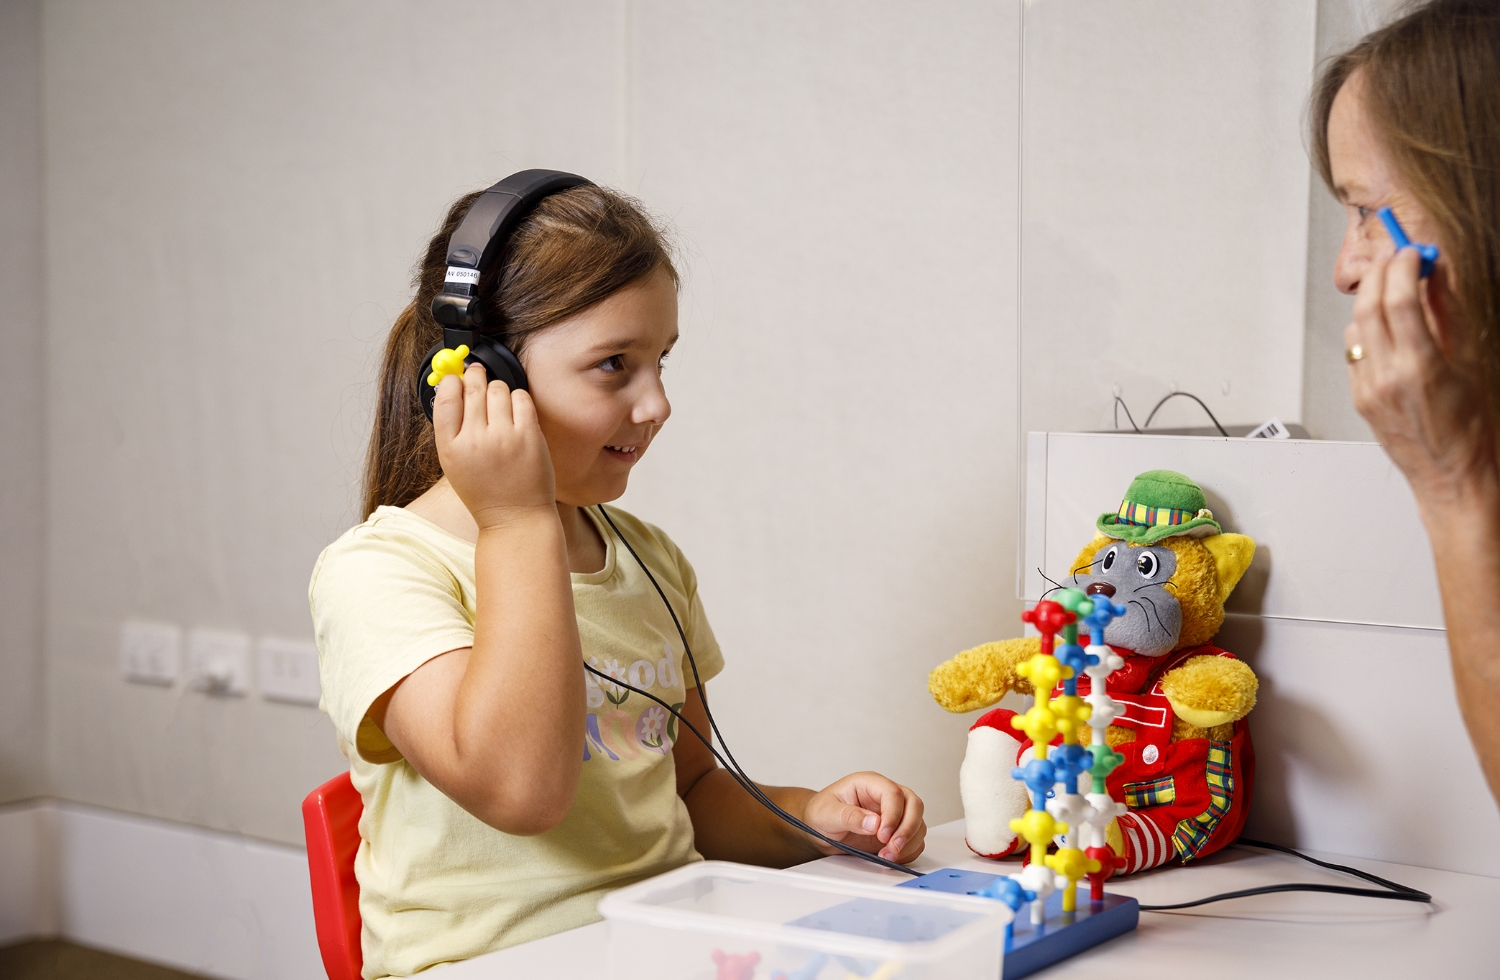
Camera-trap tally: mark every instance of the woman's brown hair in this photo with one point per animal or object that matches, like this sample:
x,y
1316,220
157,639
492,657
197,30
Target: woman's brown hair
x,y
1432,87
578,247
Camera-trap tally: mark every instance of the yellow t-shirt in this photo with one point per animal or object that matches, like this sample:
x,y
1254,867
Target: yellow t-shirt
x,y
437,884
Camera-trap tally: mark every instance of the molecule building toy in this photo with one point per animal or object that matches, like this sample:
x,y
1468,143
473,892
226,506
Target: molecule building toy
x,y
1061,814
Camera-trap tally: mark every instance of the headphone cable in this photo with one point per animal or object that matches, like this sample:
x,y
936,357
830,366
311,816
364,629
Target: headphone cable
x,y
732,766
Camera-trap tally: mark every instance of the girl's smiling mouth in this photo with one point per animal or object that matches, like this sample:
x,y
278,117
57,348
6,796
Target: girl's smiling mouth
x,y
627,454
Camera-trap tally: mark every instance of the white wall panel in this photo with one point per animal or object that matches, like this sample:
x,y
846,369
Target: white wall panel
x,y
1340,618
1360,748
1337,533
842,179
212,904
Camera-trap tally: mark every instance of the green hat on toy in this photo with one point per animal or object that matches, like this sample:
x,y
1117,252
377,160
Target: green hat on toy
x,y
1160,504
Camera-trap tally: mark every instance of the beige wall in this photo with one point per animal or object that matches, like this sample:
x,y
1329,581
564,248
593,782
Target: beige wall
x,y
22,343
234,198
247,188
1327,410
1165,205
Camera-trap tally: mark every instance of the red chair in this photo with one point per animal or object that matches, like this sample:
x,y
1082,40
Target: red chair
x,y
330,817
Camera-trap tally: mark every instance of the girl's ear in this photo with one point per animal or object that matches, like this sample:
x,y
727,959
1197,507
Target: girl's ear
x,y
1232,554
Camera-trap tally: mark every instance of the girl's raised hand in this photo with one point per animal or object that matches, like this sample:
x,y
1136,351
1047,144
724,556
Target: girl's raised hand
x,y
492,449
868,811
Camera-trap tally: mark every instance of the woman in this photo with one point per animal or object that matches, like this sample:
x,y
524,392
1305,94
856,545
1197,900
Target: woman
x,y
1410,119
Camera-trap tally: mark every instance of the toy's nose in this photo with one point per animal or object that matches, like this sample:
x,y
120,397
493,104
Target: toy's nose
x,y
1101,588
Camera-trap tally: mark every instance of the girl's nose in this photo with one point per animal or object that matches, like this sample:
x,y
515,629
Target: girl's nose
x,y
652,408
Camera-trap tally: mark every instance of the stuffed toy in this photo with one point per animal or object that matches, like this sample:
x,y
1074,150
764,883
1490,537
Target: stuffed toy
x,y
1189,765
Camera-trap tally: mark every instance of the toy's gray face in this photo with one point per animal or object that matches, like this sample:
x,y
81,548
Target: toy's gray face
x,y
1136,578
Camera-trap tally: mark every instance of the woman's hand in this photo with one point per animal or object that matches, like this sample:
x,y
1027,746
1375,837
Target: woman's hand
x,y
1416,384
491,448
870,812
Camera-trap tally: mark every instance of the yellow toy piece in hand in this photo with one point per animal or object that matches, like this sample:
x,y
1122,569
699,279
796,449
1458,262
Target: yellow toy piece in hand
x,y
447,361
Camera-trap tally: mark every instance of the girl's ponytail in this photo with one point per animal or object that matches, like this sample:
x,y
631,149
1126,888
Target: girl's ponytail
x,y
577,248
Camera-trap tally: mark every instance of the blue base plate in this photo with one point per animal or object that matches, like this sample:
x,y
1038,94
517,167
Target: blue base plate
x,y
1062,934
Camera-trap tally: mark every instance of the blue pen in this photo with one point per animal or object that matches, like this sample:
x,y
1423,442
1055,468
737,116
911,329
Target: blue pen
x,y
1429,253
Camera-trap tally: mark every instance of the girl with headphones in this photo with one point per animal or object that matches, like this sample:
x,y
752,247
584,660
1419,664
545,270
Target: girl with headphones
x,y
514,671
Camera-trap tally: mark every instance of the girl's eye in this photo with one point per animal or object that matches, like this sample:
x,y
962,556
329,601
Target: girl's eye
x,y
1146,564
662,361
1364,212
612,364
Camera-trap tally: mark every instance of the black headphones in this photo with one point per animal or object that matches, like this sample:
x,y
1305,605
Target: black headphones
x,y
473,249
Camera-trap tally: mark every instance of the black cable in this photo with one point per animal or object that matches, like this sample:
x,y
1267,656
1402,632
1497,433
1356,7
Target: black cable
x,y
1397,891
1119,404
736,771
1184,394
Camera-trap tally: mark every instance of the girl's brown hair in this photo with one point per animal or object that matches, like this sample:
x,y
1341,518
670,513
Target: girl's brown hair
x,y
578,247
1431,83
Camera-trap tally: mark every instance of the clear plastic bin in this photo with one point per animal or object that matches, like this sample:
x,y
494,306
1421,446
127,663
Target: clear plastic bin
x,y
688,923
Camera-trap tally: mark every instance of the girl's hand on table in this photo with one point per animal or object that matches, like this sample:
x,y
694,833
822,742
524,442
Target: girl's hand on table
x,y
491,448
1416,385
868,811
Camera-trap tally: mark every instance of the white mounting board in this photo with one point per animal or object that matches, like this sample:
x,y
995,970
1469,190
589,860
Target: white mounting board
x,y
1338,539
1356,729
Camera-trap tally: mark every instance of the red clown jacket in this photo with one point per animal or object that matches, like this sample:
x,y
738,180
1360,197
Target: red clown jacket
x,y
1187,799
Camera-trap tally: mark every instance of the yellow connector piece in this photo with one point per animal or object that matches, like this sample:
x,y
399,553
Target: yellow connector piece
x,y
1039,724
1038,827
1044,671
447,361
1072,864
1072,714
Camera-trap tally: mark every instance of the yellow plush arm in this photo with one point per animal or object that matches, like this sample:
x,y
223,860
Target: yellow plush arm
x,y
1208,691
979,677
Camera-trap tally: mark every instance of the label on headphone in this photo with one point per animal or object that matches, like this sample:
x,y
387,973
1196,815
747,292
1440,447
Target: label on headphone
x,y
457,273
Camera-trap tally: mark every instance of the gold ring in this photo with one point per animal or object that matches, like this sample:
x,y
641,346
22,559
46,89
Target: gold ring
x,y
1354,353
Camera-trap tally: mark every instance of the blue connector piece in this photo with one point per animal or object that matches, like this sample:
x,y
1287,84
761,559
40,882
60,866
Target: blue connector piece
x,y
1039,777
1429,253
1071,655
1068,763
1103,613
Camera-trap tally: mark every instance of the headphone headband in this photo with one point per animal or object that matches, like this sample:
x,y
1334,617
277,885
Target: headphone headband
x,y
476,244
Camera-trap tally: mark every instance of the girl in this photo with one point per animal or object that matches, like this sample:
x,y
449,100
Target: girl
x,y
506,789
1409,118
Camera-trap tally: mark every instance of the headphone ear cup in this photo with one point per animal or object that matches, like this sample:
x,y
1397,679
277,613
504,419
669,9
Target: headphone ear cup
x,y
498,362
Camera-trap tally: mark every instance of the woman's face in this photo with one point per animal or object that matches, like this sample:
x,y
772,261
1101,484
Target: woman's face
x,y
1365,180
596,381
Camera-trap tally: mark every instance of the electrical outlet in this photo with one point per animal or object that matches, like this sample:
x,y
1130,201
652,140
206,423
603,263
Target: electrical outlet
x,y
150,653
219,662
287,670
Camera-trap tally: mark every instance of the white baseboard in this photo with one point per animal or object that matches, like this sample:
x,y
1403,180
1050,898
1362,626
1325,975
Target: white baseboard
x,y
197,900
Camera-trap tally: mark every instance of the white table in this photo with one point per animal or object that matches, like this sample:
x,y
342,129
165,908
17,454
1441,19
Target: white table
x,y
1290,934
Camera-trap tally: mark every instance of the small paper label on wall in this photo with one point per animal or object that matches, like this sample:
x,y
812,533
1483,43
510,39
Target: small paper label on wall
x,y
458,273
1270,430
